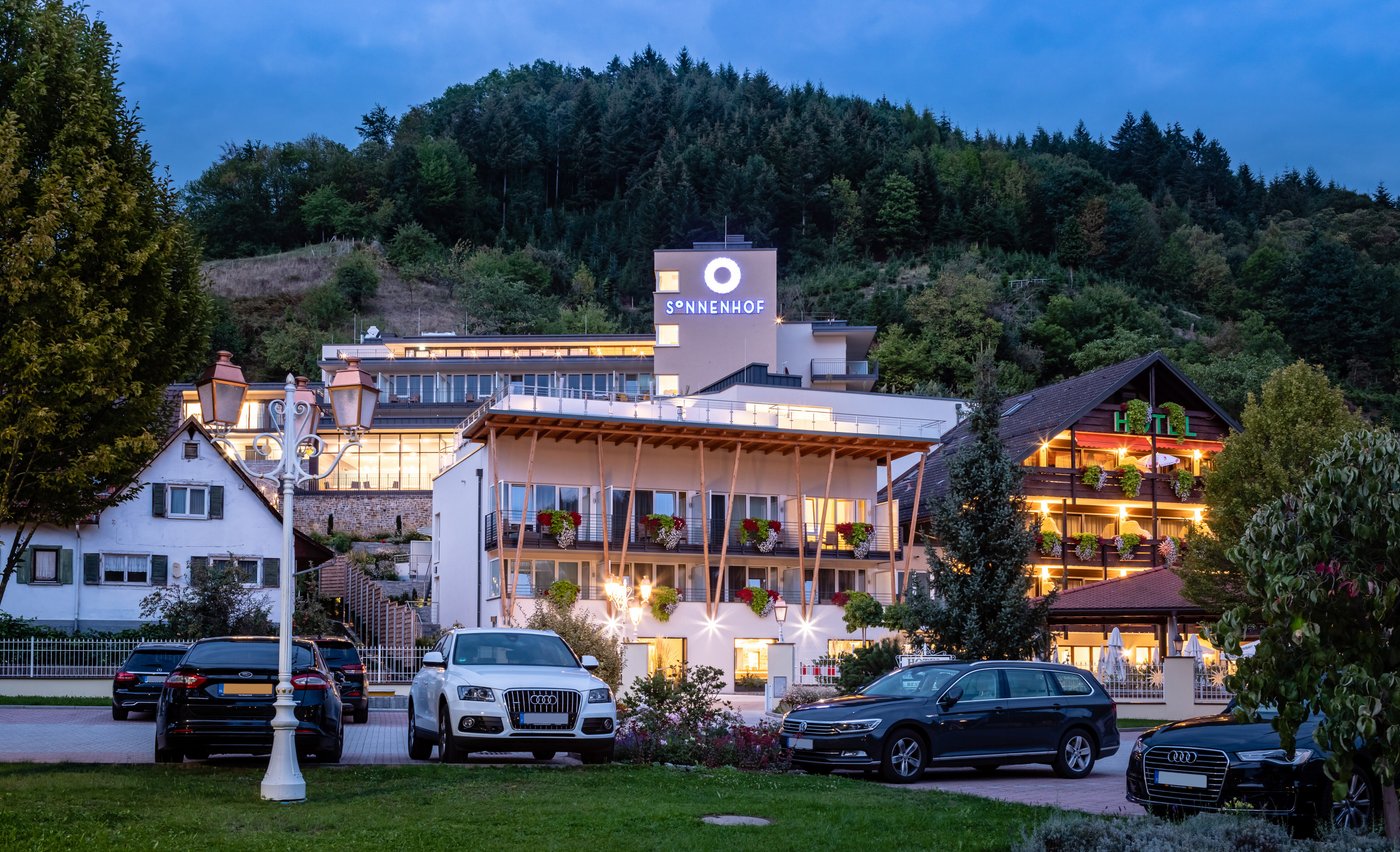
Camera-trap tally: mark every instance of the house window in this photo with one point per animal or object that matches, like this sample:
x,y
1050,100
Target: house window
x,y
668,384
668,334
668,281
751,662
191,450
45,566
125,568
188,501
246,570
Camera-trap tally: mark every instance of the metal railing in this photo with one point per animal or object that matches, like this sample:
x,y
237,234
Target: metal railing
x,y
840,367
823,671
1144,682
102,658
1210,682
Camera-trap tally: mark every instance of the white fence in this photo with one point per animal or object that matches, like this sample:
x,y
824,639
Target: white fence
x,y
823,671
1210,682
1143,683
101,658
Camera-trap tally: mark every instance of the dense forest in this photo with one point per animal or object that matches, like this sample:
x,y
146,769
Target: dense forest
x,y
536,195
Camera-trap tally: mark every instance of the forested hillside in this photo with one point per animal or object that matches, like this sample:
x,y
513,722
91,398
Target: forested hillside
x,y
536,195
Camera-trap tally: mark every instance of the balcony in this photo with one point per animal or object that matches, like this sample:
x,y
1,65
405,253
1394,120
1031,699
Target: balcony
x,y
643,544
858,374
1060,483
1104,556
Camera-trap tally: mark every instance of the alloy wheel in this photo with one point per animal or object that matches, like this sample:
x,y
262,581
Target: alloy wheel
x,y
907,756
1353,810
1079,753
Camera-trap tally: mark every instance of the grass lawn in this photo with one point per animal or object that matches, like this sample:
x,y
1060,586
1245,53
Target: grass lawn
x,y
55,700
1140,723
455,807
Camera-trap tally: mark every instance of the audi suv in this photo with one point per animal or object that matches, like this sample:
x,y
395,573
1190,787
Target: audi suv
x,y
509,690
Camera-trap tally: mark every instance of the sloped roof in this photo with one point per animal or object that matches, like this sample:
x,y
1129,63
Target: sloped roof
x,y
1026,419
1157,590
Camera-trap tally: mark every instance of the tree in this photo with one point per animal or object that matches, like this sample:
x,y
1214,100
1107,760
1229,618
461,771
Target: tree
x,y
216,603
1321,571
357,279
897,220
101,307
325,212
1298,417
979,578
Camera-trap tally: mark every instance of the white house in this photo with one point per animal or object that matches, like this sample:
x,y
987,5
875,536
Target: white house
x,y
193,509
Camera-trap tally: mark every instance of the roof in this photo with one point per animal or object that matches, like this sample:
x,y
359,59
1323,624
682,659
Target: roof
x,y
1026,420
1155,591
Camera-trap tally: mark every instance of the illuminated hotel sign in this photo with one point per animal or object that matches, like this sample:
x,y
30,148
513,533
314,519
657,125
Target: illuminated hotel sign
x,y
722,277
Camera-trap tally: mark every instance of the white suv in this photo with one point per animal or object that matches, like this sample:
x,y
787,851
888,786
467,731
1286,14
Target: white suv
x,y
505,690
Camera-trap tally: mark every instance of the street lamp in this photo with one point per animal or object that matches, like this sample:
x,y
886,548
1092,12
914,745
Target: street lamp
x,y
221,390
780,615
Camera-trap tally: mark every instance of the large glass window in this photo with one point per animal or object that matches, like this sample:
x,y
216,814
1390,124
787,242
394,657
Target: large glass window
x,y
665,655
668,281
389,461
668,334
751,661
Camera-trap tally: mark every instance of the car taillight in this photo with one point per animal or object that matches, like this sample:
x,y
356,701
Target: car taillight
x,y
310,681
186,681
126,677
353,668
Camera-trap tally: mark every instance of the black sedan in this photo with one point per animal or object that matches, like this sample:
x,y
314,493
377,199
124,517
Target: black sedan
x,y
981,714
1219,763
137,684
218,700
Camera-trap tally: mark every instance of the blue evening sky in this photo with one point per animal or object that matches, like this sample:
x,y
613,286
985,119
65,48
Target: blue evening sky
x,y
1281,84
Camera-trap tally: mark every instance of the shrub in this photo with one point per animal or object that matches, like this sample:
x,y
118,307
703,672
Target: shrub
x,y
562,594
803,693
866,664
1203,833
216,604
585,636
356,279
412,246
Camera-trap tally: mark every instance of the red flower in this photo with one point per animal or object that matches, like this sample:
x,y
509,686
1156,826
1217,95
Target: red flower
x,y
775,526
750,525
774,596
544,519
678,521
840,598
576,518
745,594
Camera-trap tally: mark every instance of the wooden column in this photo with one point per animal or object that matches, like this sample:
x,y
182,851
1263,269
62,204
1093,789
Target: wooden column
x,y
893,525
1152,426
705,527
724,542
808,601
1064,544
500,518
520,535
603,512
1073,468
631,504
801,524
914,513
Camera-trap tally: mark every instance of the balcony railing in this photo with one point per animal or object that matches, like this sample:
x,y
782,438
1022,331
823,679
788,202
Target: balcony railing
x,y
1058,483
695,594
840,368
644,540
1105,555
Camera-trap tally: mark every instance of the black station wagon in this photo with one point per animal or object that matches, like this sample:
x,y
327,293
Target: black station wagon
x,y
981,714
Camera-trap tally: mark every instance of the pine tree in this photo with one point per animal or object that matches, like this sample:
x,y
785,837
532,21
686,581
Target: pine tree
x,y
978,576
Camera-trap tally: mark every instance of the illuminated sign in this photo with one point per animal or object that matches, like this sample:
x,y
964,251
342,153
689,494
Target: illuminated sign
x,y
732,275
715,306
1160,425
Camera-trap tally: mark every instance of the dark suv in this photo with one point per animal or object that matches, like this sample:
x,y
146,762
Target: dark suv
x,y
137,684
218,700
1217,763
344,659
981,714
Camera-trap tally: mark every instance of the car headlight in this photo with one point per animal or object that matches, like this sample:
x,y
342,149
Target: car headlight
x,y
475,693
601,695
1140,746
1275,755
856,726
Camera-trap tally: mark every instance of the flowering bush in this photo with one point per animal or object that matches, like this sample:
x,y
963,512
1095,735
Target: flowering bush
x,y
1176,420
1169,549
1183,484
856,534
1139,415
1048,543
1095,477
664,601
1126,544
1087,547
761,532
801,693
562,593
841,598
561,524
759,600
665,530
1129,479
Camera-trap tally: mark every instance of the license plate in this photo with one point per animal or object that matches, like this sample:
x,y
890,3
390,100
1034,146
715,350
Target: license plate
x,y
1181,779
544,718
154,678
247,689
802,743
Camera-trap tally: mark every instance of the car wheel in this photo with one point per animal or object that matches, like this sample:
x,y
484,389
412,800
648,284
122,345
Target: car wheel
x,y
1354,810
448,750
168,755
597,757
332,755
419,746
904,758
1075,757
362,715
119,713
542,755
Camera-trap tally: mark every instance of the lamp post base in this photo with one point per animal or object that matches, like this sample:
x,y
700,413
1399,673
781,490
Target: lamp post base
x,y
283,781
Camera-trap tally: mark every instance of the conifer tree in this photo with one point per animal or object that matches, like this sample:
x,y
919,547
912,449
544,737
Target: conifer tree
x,y
978,574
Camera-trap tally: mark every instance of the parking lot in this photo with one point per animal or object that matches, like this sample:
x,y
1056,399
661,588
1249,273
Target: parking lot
x,y
90,735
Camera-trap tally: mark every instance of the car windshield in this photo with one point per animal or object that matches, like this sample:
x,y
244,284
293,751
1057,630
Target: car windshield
x,y
339,655
923,681
251,655
512,649
153,661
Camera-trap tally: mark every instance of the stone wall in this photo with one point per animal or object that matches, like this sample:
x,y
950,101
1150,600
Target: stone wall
x,y
366,514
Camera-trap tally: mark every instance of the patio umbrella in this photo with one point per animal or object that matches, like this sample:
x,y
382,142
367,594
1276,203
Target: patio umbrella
x,y
1163,460
1117,666
1193,648
1102,669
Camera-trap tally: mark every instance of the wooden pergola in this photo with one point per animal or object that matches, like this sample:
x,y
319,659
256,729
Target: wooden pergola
x,y
494,425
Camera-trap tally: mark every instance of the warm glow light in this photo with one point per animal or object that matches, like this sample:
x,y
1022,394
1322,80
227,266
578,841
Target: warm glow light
x,y
1122,572
1122,451
1200,518
645,590
1123,512
1196,454
1045,573
635,613
1045,507
805,627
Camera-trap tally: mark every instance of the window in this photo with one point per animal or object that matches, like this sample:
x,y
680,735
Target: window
x,y
668,334
1026,683
1072,684
45,566
751,661
981,686
188,501
246,570
125,568
668,281
668,384
191,449
837,647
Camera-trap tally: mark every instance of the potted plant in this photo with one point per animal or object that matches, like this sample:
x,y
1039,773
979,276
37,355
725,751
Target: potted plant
x,y
561,524
862,611
1169,549
758,599
1087,546
562,594
1183,483
857,535
1126,544
1139,415
1095,477
761,532
1129,479
1176,420
664,601
665,530
1048,543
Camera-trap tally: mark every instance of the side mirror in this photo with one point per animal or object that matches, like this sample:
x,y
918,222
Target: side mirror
x,y
950,697
590,662
339,676
433,659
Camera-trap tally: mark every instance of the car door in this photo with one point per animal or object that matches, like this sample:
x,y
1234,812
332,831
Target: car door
x,y
1034,714
971,726
427,685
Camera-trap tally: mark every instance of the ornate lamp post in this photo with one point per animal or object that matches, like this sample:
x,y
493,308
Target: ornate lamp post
x,y
353,399
780,615
627,600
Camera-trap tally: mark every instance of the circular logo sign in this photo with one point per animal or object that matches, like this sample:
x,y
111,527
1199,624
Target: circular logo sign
x,y
722,266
